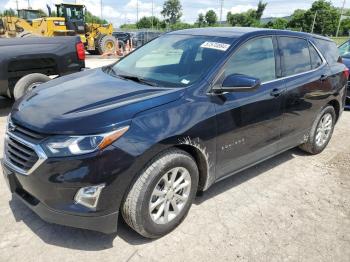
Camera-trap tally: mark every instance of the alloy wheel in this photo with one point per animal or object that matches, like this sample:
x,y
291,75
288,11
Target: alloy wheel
x,y
324,130
170,195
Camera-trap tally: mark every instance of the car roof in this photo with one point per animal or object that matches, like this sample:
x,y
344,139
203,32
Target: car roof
x,y
236,32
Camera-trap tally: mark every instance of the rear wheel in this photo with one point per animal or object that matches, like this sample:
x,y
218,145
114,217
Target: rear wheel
x,y
321,131
106,44
28,83
161,197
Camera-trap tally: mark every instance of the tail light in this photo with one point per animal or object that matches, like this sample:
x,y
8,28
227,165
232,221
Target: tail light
x,y
346,73
80,51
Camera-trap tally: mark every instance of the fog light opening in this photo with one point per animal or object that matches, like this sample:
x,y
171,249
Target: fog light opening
x,y
88,196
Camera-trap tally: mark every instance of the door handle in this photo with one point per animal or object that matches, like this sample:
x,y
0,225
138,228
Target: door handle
x,y
276,92
323,78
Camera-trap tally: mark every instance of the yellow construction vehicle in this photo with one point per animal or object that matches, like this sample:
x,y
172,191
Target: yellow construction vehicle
x,y
29,23
97,38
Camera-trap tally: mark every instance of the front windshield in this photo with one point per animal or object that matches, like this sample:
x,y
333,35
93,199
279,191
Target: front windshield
x,y
174,60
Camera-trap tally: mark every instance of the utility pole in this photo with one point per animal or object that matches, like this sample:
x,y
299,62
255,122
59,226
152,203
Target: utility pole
x,y
152,12
137,11
221,7
101,5
313,23
17,4
28,4
340,18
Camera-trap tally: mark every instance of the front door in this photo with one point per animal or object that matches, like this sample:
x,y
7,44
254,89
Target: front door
x,y
249,122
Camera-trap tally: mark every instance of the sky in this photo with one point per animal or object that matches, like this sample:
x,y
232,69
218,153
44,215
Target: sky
x,y
124,11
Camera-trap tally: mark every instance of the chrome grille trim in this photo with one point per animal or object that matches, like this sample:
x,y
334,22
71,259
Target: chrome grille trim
x,y
36,148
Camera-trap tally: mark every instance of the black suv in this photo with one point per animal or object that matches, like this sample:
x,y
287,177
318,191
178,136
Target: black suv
x,y
190,108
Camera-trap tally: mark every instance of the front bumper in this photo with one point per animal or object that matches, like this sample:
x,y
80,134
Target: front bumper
x,y
18,183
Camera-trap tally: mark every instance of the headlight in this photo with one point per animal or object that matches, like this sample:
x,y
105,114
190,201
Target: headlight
x,y
60,146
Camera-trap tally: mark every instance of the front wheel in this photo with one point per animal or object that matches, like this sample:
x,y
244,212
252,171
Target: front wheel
x,y
321,131
161,197
28,83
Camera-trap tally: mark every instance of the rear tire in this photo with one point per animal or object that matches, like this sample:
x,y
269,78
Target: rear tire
x,y
106,43
161,197
321,131
27,83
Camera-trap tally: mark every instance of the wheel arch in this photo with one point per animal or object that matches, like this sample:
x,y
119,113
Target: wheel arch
x,y
202,163
335,104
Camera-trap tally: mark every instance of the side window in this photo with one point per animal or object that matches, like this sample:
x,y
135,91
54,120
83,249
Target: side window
x,y
295,55
344,49
255,58
316,60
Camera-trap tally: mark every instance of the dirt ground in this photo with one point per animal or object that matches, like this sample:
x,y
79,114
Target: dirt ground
x,y
293,207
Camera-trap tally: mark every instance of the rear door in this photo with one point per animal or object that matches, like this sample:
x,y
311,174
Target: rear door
x,y
306,75
248,123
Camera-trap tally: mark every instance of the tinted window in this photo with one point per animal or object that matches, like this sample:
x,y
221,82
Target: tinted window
x,y
255,58
175,60
344,49
316,60
329,50
295,55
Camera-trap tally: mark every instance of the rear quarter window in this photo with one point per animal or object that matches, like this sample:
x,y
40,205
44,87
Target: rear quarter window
x,y
329,50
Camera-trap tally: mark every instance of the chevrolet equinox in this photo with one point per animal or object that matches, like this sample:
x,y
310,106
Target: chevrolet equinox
x,y
142,136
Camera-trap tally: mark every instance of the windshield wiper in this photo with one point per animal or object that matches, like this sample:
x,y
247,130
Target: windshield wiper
x,y
138,79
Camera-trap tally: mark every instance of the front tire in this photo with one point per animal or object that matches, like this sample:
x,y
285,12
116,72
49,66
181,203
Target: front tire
x,y
321,131
161,197
27,83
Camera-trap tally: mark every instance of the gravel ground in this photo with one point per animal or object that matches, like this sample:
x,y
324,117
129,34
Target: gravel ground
x,y
293,207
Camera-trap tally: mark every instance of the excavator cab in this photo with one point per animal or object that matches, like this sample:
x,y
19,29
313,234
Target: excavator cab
x,y
28,14
74,15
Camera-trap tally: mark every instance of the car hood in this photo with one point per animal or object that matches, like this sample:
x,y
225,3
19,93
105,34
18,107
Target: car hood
x,y
88,102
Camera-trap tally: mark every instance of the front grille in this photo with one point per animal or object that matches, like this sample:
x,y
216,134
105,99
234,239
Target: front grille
x,y
19,154
22,151
27,134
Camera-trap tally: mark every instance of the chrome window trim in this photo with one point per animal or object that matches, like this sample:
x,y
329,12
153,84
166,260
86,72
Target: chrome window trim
x,y
37,148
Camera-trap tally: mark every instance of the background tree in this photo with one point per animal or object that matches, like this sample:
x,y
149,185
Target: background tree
x,y
297,21
9,12
327,18
146,22
250,18
278,23
200,20
90,18
211,18
172,11
260,10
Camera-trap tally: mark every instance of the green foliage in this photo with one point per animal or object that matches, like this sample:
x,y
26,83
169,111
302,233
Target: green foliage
x,y
128,26
53,14
172,11
326,19
9,12
211,18
90,18
180,26
260,10
278,23
250,18
200,21
148,22
297,21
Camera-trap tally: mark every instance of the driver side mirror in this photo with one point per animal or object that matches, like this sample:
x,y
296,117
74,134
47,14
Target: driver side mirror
x,y
238,83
